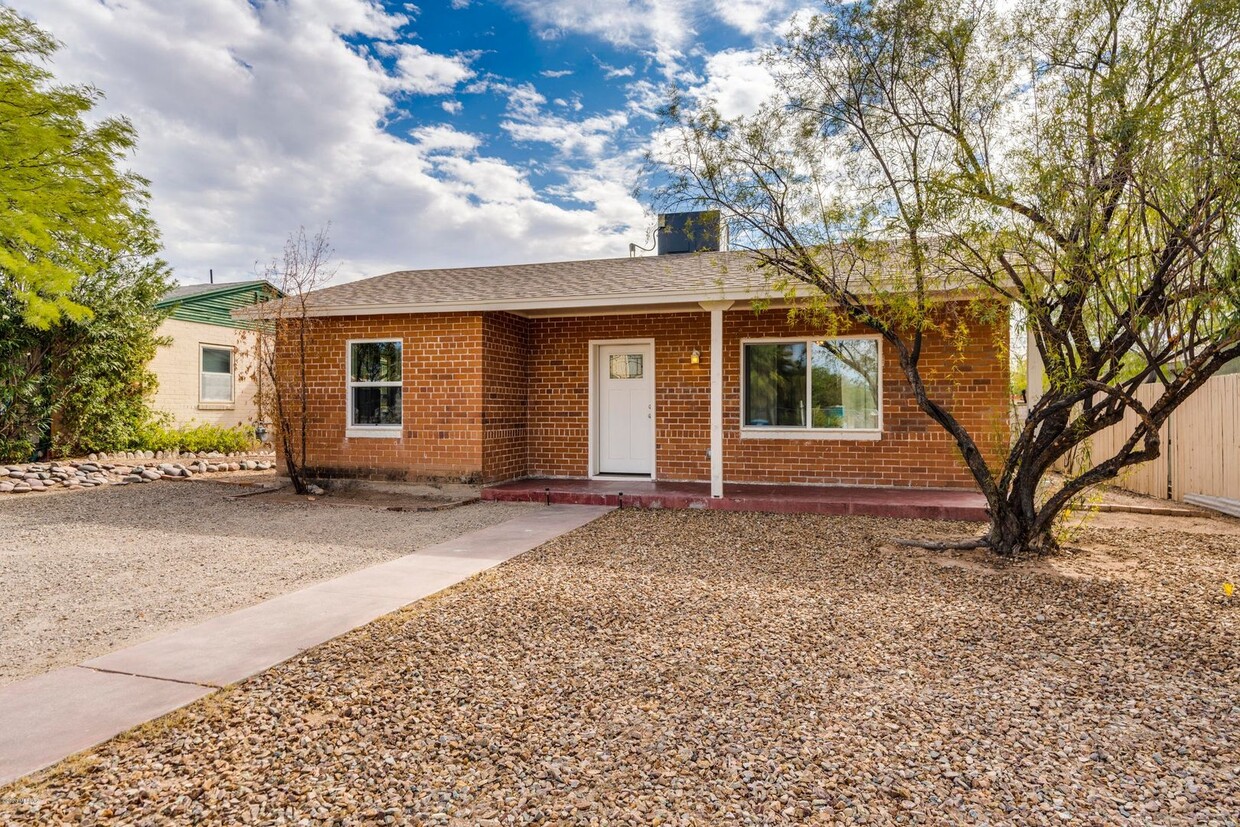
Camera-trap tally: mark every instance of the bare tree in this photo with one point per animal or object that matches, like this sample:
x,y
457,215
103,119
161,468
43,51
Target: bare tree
x,y
1077,161
284,331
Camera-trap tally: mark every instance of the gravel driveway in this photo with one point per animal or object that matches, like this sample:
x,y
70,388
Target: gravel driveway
x,y
87,572
712,668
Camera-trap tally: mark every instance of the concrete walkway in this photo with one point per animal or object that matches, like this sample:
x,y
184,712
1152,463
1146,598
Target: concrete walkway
x,y
50,717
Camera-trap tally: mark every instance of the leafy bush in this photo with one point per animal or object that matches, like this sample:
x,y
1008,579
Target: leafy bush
x,y
81,274
195,438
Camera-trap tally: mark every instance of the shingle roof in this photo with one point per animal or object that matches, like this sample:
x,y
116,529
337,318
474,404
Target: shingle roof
x,y
638,280
683,279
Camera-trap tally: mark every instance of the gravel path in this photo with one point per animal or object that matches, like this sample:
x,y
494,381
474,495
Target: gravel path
x,y
711,668
83,573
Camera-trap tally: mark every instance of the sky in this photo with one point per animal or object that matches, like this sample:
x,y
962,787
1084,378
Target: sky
x,y
436,134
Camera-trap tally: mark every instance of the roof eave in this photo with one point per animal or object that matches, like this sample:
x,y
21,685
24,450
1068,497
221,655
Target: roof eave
x,y
517,305
567,303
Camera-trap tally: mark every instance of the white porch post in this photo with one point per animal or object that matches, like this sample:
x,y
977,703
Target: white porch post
x,y
716,394
1033,369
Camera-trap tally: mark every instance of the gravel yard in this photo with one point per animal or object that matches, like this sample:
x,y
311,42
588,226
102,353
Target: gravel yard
x,y
713,668
83,573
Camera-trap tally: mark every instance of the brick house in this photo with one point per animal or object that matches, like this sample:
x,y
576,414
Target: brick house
x,y
654,367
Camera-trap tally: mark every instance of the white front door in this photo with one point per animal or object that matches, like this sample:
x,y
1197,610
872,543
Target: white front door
x,y
625,409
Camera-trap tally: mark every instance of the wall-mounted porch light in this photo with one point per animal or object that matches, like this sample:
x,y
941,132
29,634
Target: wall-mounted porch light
x,y
695,357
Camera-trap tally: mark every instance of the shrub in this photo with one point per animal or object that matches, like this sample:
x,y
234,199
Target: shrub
x,y
194,438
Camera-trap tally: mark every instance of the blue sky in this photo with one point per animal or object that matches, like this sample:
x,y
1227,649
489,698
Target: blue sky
x,y
453,133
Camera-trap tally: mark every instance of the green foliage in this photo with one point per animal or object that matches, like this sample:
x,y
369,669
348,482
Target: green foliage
x,y
155,436
84,385
79,272
68,207
24,397
1077,160
101,369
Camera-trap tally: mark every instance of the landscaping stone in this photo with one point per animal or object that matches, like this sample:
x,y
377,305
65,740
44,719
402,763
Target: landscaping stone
x,y
21,488
686,668
6,487
79,474
170,555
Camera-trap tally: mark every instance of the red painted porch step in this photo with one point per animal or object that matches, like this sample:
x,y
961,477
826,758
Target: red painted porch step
x,y
910,503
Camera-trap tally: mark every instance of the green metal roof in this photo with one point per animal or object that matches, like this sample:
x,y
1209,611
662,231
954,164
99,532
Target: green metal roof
x,y
214,303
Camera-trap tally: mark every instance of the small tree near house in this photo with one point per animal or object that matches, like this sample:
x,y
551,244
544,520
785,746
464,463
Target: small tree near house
x,y
1078,161
284,330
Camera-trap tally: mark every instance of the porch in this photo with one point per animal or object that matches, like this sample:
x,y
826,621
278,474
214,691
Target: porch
x,y
909,503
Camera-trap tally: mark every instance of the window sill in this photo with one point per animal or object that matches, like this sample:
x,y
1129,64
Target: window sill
x,y
216,406
810,434
374,431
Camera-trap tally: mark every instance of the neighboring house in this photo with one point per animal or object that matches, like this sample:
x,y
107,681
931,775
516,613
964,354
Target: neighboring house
x,y
654,367
203,372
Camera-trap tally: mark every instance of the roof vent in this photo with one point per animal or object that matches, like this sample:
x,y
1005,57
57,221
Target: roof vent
x,y
689,232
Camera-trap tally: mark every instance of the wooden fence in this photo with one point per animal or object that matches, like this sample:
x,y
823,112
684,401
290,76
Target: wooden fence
x,y
1200,444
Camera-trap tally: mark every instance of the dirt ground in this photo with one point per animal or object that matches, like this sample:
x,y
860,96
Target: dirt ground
x,y
704,668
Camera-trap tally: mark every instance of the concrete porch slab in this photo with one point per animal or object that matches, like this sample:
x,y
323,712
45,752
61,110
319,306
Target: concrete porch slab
x,y
908,503
50,717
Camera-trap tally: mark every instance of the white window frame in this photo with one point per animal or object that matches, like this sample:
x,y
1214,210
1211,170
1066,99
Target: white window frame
x,y
372,431
218,404
807,431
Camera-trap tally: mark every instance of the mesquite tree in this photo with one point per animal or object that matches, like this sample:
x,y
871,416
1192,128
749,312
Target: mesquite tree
x,y
1079,161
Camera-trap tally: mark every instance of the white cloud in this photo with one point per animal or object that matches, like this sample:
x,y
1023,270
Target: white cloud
x,y
753,17
452,107
613,72
423,73
737,81
556,73
591,137
661,28
254,118
445,138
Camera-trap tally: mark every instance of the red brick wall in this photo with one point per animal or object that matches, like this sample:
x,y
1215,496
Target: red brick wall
x,y
442,432
559,391
913,450
505,341
494,396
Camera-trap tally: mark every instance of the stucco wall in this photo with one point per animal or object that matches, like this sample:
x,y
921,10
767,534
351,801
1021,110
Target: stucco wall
x,y
177,366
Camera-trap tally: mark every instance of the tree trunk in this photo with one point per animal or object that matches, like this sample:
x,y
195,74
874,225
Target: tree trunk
x,y
1016,532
